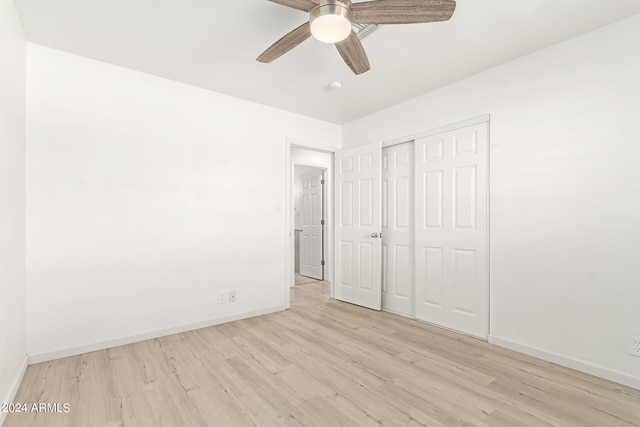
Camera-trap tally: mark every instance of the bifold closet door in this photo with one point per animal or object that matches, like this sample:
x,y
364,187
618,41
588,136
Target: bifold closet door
x,y
397,229
451,243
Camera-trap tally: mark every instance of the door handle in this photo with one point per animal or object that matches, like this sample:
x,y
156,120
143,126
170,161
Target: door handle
x,y
375,235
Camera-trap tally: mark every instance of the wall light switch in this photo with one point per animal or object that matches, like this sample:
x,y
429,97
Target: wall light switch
x,y
635,346
223,297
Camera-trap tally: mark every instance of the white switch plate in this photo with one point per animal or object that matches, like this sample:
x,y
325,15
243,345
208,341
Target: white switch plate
x,y
635,346
223,297
232,296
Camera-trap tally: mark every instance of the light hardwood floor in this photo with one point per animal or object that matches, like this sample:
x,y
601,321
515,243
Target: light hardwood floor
x,y
322,363
301,280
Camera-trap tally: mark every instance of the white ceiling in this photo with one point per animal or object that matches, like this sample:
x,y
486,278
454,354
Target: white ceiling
x,y
213,44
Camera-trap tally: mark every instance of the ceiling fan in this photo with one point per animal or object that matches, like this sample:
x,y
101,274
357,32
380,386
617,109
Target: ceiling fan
x,y
330,22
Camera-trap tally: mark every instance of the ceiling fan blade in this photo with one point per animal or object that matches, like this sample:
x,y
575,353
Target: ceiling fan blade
x,y
353,53
402,11
303,5
286,43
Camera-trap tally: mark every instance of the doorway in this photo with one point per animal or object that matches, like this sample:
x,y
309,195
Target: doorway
x,y
309,216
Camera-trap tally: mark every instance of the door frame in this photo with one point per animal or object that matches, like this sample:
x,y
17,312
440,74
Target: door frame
x,y
289,223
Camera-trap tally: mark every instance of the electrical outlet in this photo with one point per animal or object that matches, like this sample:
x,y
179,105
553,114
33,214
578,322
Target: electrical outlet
x,y
635,346
223,297
232,296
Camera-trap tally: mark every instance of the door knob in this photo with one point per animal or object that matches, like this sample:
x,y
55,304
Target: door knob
x,y
374,235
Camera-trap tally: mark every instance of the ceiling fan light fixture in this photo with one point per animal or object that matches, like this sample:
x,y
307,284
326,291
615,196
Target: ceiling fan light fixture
x,y
330,21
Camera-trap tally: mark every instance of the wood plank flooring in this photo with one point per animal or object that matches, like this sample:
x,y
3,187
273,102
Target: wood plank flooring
x,y
301,280
322,363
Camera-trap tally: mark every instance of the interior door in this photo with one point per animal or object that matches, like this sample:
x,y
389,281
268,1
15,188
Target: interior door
x,y
452,283
397,229
311,238
358,245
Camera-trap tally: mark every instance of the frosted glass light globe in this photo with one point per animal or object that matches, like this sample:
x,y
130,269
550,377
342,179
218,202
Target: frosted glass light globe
x,y
331,28
330,21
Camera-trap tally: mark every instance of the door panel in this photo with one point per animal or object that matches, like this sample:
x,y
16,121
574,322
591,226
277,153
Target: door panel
x,y
403,263
432,202
311,239
397,229
432,274
464,262
452,284
358,179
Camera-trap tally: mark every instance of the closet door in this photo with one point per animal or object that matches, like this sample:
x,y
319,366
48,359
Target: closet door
x,y
451,230
397,229
358,226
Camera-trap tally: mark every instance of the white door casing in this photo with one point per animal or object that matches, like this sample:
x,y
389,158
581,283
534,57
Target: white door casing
x,y
397,229
451,238
358,226
311,239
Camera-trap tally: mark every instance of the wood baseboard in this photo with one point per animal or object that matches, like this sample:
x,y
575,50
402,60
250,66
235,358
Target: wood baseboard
x,y
46,356
569,362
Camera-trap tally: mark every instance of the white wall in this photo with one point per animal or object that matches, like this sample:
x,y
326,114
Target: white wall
x,y
145,197
311,157
12,202
565,193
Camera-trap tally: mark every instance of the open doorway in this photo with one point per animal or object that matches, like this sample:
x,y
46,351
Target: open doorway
x,y
310,209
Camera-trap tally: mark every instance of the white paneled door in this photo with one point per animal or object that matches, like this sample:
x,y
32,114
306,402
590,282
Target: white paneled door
x,y
311,239
358,226
397,229
451,262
